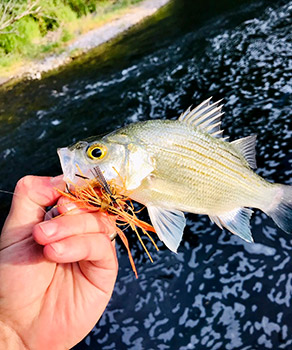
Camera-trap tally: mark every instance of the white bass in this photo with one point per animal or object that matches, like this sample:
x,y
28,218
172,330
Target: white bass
x,y
184,165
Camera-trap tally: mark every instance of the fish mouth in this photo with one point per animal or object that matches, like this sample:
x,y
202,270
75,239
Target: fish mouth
x,y
67,164
72,169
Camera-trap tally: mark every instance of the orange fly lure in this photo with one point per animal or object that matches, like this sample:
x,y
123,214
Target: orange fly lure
x,y
99,195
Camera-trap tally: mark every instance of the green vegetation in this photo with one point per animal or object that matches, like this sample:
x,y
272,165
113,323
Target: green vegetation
x,y
29,29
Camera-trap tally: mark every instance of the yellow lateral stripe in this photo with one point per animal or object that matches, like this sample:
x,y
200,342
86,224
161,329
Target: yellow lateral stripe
x,y
235,179
212,159
221,149
209,145
232,178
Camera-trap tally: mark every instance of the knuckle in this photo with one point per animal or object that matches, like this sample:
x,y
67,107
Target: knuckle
x,y
24,184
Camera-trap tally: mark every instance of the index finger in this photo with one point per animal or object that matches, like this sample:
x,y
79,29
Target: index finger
x,y
32,194
69,206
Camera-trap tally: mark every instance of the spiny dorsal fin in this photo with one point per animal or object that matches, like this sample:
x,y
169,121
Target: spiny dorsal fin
x,y
246,147
206,117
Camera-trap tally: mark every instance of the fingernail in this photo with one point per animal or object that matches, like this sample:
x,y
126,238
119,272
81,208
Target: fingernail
x,y
58,248
67,207
70,206
49,228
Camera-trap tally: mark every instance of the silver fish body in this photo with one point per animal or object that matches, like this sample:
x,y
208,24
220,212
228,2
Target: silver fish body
x,y
195,172
184,165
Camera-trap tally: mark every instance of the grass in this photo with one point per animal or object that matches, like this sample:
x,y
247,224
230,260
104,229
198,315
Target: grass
x,y
48,26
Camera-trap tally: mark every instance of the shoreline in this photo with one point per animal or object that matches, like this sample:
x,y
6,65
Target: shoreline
x,y
83,43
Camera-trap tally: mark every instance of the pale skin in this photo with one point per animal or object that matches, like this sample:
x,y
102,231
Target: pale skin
x,y
56,276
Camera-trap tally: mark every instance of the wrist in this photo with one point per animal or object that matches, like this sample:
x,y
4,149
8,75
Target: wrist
x,y
9,339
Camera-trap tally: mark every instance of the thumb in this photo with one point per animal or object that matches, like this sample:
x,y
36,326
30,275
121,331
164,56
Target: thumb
x,y
32,194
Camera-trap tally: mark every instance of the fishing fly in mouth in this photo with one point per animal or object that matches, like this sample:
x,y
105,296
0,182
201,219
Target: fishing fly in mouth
x,y
99,195
172,167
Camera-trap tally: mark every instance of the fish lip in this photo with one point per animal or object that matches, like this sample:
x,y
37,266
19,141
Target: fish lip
x,y
71,167
68,164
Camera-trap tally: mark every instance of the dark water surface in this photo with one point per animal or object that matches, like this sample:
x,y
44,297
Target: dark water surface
x,y
218,292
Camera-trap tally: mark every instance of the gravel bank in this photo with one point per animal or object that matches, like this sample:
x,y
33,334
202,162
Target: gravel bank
x,y
88,41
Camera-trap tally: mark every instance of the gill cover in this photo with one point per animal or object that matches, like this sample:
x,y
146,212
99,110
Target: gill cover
x,y
138,166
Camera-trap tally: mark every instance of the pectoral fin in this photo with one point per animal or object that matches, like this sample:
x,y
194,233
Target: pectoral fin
x,y
237,222
169,225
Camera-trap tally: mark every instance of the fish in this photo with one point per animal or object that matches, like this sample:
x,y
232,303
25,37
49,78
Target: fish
x,y
183,165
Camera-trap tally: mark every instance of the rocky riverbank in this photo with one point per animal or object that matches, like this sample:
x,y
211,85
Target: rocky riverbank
x,y
85,42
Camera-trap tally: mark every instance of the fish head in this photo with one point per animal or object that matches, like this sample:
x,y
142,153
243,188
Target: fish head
x,y
117,156
80,159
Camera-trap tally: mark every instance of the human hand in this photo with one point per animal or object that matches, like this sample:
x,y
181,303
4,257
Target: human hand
x,y
56,276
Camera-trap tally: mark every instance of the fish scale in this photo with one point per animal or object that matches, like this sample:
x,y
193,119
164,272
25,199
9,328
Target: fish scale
x,y
199,170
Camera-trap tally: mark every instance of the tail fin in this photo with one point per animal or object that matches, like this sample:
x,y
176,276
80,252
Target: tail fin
x,y
281,208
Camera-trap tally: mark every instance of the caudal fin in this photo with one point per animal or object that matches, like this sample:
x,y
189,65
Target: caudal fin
x,y
281,208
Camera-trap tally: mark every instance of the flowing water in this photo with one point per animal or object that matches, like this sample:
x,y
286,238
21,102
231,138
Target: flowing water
x,y
218,292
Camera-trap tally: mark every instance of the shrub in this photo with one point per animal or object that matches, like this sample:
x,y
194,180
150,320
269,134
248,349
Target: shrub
x,y
23,23
82,7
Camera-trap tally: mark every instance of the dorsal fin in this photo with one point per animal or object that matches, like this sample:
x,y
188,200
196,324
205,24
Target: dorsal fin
x,y
246,147
206,117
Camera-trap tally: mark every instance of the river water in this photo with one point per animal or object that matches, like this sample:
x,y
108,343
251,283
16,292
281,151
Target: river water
x,y
218,292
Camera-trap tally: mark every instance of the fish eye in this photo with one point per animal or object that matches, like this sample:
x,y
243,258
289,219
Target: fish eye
x,y
96,151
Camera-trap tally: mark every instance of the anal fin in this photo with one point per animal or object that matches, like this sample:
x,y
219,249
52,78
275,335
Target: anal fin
x,y
236,221
168,224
